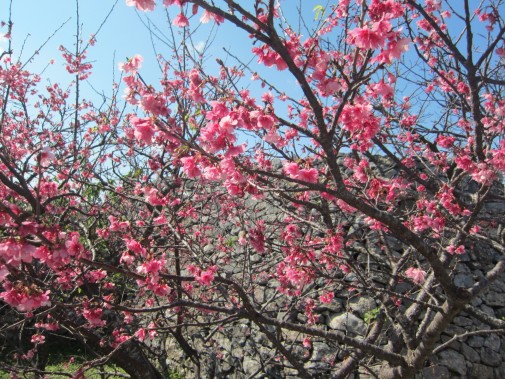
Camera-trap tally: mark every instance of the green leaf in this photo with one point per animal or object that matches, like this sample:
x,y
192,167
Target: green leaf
x,y
231,241
319,12
371,315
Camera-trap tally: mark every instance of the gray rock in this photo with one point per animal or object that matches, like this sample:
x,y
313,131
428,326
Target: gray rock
x,y
208,248
476,341
436,372
259,295
500,313
497,286
350,277
463,280
499,372
251,366
470,353
349,323
320,350
476,301
334,307
465,257
237,352
487,310
462,321
292,335
369,372
495,207
490,357
494,299
453,330
453,360
456,345
493,342
479,371
362,305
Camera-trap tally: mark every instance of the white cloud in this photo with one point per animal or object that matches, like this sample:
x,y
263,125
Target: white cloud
x,y
199,47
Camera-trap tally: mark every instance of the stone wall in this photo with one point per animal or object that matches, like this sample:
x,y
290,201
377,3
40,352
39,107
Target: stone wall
x,y
240,350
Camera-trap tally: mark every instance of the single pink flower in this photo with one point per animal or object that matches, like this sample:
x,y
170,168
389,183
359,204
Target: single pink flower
x,y
132,65
292,169
181,21
365,38
94,316
46,157
168,3
308,175
190,167
142,5
206,277
144,129
141,334
154,104
417,275
135,247
73,245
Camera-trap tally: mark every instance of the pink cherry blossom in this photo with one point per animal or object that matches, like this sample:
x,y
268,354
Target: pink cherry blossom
x,y
181,20
38,339
417,275
46,157
141,334
207,16
24,298
142,5
326,298
308,175
132,65
456,249
205,278
4,271
168,3
73,246
14,252
144,129
154,104
370,38
135,247
94,316
190,167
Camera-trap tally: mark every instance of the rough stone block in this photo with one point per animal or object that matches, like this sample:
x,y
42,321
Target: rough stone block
x,y
454,361
349,323
436,372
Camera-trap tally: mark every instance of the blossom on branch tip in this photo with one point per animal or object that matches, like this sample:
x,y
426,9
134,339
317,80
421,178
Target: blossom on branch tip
x,y
142,5
24,298
144,129
307,175
46,157
181,21
168,3
370,38
207,16
132,65
456,249
417,275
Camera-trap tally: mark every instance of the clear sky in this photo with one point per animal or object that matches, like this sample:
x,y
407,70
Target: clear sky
x,y
124,34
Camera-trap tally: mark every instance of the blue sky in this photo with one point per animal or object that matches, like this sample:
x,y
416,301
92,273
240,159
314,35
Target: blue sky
x,y
123,35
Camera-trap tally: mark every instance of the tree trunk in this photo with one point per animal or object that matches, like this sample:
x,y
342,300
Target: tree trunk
x,y
132,359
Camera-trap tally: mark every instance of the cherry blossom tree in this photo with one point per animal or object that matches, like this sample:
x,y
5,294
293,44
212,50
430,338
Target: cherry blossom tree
x,y
221,201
